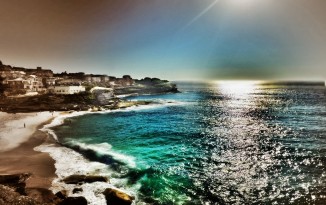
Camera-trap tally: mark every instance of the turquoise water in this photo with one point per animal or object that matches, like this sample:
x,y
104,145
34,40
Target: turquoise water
x,y
214,144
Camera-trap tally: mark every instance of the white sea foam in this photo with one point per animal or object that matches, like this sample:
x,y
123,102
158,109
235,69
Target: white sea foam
x,y
106,149
59,121
69,162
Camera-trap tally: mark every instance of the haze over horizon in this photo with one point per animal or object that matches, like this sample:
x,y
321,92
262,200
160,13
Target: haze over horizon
x,y
174,40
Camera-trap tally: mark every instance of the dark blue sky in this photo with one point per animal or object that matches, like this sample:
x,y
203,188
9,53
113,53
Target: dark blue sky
x,y
171,39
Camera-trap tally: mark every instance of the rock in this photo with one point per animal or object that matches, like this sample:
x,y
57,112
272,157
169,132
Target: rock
x,y
61,194
13,191
103,96
9,196
91,179
76,190
116,197
74,201
76,179
16,181
14,178
43,196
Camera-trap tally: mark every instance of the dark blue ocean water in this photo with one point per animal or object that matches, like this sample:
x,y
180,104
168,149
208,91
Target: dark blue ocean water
x,y
231,143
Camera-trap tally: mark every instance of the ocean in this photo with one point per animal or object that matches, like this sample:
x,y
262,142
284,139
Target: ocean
x,y
212,143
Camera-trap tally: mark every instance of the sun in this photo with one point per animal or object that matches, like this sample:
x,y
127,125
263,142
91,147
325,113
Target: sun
x,y
237,87
243,3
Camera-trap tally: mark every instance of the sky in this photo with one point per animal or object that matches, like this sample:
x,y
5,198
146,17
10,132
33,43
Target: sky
x,y
169,39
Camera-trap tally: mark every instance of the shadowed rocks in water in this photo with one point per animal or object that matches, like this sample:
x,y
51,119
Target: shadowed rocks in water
x,y
74,201
65,200
76,190
116,197
61,194
75,179
42,195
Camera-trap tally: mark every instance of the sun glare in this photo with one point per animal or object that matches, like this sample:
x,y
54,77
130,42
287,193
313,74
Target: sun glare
x,y
243,3
237,87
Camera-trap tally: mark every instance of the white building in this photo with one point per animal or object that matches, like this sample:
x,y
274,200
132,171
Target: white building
x,y
68,90
50,81
31,83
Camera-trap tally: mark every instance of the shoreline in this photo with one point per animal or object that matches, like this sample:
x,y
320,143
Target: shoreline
x,y
24,158
52,166
25,155
80,166
19,158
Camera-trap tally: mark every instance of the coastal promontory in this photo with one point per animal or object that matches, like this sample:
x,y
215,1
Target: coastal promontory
x,y
30,90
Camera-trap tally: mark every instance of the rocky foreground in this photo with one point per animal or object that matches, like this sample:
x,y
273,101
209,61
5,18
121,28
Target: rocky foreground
x,y
13,191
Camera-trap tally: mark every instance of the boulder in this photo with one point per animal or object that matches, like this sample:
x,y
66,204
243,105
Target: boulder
x,y
16,181
76,179
42,196
103,97
61,194
76,190
74,201
14,178
10,196
116,197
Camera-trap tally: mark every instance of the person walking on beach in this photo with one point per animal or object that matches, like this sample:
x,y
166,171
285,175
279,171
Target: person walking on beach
x,y
24,125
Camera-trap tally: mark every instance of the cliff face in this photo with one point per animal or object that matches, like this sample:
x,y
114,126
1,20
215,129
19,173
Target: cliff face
x,y
103,97
47,102
148,86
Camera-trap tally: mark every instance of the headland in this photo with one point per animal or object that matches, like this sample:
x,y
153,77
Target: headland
x,y
32,98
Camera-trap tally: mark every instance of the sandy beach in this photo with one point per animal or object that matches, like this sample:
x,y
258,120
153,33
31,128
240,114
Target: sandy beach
x,y
25,141
17,142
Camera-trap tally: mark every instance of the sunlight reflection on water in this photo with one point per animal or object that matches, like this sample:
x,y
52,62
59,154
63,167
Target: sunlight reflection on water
x,y
237,88
249,163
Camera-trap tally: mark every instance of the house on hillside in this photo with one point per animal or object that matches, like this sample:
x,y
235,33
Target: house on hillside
x,y
67,90
96,78
126,80
50,81
30,84
69,81
33,83
39,72
9,74
16,84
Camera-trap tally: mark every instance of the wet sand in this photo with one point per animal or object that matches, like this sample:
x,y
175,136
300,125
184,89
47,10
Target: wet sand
x,y
17,144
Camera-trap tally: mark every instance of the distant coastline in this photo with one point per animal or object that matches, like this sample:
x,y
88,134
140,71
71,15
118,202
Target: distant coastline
x,y
295,83
34,90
